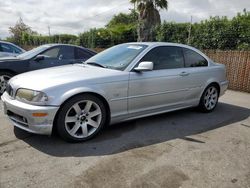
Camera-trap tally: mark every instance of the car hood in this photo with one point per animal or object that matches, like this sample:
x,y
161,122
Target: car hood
x,y
78,74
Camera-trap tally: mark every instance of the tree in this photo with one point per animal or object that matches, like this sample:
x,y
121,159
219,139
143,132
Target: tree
x,y
20,31
123,18
149,17
122,27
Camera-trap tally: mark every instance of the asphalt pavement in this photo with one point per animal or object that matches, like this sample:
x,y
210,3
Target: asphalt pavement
x,y
185,148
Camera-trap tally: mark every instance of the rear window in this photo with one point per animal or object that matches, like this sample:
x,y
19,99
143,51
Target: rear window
x,y
82,54
193,59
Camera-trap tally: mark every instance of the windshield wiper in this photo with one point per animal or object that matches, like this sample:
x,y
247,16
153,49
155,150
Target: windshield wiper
x,y
96,64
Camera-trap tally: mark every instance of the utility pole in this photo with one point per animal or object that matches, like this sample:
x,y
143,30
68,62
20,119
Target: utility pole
x,y
49,29
92,39
189,31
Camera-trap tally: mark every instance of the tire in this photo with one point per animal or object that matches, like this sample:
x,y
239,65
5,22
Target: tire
x,y
4,78
81,118
209,98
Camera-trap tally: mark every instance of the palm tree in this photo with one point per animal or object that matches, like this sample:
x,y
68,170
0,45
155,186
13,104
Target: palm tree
x,y
149,17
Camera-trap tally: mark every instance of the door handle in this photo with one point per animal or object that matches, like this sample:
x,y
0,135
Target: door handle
x,y
184,74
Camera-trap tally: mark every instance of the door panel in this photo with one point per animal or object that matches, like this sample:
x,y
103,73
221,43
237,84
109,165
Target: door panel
x,y
162,87
46,63
156,89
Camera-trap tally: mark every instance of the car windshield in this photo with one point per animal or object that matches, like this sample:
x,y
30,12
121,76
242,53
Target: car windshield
x,y
33,52
117,57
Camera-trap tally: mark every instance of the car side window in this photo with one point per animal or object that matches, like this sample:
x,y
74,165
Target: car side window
x,y
15,49
193,59
7,48
52,53
82,54
66,52
165,57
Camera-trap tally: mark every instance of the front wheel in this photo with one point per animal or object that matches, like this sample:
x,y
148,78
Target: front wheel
x,y
81,118
4,78
209,99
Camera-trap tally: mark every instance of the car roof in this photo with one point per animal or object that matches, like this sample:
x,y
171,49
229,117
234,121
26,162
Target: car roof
x,y
160,44
60,44
154,44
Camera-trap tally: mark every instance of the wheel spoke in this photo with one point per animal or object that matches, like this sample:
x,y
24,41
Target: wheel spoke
x,y
88,106
93,123
94,113
77,109
75,128
70,119
209,105
84,129
206,102
212,90
214,96
1,78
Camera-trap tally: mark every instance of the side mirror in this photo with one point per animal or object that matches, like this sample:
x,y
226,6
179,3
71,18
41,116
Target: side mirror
x,y
39,58
144,66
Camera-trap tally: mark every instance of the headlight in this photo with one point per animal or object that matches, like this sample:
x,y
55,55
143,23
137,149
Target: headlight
x,y
31,96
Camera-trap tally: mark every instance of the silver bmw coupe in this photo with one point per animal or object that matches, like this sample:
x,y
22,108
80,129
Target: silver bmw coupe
x,y
125,82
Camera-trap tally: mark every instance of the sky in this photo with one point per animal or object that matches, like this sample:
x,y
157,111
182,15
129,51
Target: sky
x,y
76,16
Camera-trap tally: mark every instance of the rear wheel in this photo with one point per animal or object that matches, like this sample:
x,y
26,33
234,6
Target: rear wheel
x,y
4,78
209,99
81,118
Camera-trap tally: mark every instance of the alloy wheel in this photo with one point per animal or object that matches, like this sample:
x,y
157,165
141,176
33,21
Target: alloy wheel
x,y
3,83
83,119
211,98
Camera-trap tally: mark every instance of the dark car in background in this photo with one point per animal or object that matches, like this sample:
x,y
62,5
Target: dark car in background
x,y
9,49
45,56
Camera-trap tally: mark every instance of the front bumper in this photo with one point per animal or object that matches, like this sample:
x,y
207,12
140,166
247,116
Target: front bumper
x,y
20,114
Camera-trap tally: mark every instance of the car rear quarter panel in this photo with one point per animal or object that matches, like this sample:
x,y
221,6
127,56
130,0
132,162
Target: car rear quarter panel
x,y
217,74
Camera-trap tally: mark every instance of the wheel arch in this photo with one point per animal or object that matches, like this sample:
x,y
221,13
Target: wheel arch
x,y
215,83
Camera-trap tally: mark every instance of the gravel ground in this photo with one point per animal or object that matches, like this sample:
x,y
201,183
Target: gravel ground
x,y
180,149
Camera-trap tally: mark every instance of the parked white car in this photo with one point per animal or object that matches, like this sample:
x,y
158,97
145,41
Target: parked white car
x,y
125,82
8,49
